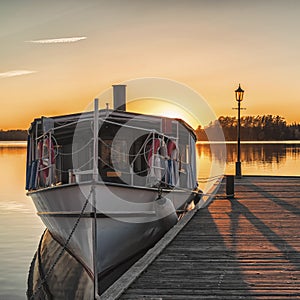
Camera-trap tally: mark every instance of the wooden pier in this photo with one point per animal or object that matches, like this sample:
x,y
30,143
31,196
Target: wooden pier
x,y
247,247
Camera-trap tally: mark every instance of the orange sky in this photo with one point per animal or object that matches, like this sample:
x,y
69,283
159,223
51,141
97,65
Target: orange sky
x,y
57,56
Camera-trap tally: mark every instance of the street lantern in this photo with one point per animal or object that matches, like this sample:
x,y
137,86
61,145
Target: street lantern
x,y
239,94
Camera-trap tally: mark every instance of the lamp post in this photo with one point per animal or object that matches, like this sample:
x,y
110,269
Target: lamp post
x,y
239,94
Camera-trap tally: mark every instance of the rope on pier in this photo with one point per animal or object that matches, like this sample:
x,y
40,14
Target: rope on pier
x,y
208,179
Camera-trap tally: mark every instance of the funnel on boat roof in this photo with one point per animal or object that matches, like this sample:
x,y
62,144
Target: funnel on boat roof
x,y
119,93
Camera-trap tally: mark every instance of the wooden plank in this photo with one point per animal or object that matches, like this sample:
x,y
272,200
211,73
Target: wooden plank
x,y
242,248
122,284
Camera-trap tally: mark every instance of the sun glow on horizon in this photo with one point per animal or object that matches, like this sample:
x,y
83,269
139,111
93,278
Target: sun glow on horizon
x,y
162,107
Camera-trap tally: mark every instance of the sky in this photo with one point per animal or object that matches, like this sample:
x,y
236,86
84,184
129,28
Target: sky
x,y
56,56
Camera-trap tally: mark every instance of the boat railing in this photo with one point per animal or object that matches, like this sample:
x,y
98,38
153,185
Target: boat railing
x,y
44,165
162,170
151,165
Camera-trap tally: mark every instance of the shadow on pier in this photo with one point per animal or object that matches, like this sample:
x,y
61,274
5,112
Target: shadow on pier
x,y
242,248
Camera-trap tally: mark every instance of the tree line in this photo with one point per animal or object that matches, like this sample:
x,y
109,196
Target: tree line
x,y
13,135
253,128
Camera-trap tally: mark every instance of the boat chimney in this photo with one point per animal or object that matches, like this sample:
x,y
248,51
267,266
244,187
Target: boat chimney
x,y
119,97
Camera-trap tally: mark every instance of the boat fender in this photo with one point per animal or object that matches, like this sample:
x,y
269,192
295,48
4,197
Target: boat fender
x,y
165,212
195,197
33,175
198,197
163,207
191,198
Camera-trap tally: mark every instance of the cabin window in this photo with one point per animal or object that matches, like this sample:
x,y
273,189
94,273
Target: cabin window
x,y
119,155
105,153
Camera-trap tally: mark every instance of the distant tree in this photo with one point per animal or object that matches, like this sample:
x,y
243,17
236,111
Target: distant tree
x,y
200,133
13,135
254,128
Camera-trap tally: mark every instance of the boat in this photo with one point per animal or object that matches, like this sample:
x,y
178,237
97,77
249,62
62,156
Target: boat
x,y
109,183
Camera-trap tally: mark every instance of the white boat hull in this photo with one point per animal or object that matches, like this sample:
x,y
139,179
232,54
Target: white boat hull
x,y
129,219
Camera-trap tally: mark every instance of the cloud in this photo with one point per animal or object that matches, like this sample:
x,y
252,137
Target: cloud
x,y
59,40
15,73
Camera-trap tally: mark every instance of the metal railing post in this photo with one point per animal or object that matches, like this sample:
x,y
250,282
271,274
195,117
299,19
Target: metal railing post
x,y
95,179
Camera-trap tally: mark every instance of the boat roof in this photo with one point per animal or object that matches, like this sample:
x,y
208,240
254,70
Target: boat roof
x,y
112,114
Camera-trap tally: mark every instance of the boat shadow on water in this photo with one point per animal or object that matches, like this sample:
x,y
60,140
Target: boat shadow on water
x,y
68,278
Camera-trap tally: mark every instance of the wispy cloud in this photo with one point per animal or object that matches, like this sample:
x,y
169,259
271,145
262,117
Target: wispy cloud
x,y
59,40
15,73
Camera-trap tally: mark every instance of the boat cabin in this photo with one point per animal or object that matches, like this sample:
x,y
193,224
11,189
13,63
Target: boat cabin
x,y
132,149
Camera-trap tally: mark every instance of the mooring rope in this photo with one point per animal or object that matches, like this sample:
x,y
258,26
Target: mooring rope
x,y
208,179
44,280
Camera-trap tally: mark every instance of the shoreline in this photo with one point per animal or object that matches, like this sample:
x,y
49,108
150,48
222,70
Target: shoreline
x,y
249,142
13,144
290,142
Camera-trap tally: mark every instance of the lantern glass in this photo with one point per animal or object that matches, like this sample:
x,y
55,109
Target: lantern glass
x,y
239,93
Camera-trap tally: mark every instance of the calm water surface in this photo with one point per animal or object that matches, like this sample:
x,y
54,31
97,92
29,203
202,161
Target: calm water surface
x,y
20,228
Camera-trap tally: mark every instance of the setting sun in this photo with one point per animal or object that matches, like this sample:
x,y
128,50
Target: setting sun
x,y
118,118
162,107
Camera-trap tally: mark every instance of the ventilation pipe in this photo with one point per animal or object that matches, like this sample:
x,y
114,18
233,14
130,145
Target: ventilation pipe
x,y
119,97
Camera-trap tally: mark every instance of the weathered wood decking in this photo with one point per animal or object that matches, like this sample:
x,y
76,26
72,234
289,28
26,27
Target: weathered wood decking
x,y
242,248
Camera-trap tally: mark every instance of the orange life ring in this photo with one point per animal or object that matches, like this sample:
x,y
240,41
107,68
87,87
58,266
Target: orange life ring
x,y
46,155
171,147
172,175
154,146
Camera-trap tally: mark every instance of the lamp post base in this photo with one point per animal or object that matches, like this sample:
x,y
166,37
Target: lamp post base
x,y
238,169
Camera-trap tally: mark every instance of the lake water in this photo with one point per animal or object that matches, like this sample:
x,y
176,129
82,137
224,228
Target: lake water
x,y
20,228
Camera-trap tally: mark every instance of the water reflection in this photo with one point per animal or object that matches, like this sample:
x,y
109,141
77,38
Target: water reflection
x,y
12,175
265,153
77,281
21,228
257,158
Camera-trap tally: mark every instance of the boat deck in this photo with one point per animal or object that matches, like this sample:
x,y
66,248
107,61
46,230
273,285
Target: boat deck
x,y
247,247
